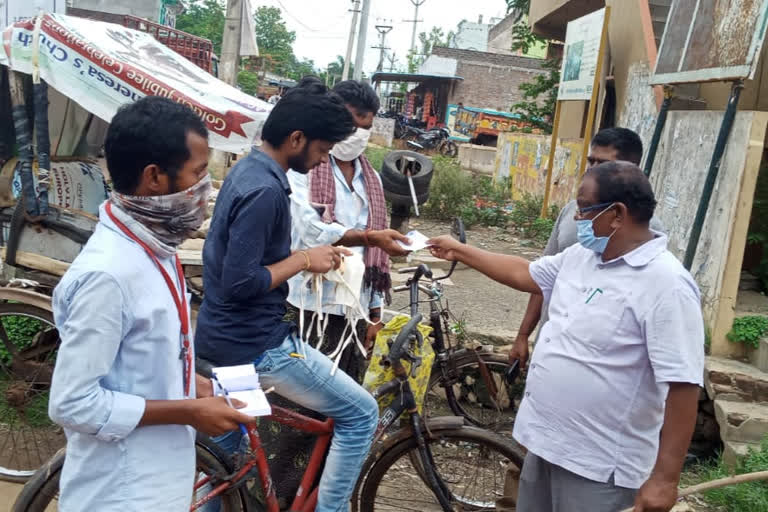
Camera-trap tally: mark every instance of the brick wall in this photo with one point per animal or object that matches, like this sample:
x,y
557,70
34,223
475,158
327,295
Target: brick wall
x,y
490,80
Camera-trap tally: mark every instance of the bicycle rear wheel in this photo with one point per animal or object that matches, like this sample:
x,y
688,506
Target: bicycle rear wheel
x,y
470,461
41,492
474,400
28,345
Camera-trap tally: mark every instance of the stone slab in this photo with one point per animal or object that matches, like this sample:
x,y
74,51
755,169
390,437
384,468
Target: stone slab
x,y
741,422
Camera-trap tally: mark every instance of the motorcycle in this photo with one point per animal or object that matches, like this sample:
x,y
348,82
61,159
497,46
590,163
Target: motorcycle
x,y
436,138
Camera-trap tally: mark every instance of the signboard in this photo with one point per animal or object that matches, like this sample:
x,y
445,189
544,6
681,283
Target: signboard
x,y
102,66
582,47
12,11
711,40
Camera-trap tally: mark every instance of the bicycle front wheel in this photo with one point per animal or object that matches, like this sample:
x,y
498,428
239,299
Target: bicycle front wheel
x,y
482,397
472,462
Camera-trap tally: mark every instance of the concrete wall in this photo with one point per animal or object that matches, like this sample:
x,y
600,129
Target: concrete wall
x,y
472,36
149,9
678,178
523,159
383,131
480,159
490,80
500,36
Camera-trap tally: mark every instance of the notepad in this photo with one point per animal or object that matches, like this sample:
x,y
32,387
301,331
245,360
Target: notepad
x,y
242,383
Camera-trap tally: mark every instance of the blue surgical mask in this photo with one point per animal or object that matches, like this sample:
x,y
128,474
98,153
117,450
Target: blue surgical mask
x,y
586,234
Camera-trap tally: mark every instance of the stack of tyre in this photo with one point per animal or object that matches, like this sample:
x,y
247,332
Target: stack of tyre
x,y
395,182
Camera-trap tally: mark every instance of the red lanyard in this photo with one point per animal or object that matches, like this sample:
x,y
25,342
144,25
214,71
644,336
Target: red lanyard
x,y
181,303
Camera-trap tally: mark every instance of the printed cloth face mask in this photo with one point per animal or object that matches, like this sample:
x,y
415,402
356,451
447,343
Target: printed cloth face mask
x,y
586,234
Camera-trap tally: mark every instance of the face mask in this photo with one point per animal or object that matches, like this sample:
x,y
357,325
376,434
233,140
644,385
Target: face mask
x,y
586,234
170,218
351,148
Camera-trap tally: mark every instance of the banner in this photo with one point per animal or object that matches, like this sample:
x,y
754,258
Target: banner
x,y
102,66
582,45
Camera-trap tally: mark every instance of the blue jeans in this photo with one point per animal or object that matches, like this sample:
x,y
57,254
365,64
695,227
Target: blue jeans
x,y
308,382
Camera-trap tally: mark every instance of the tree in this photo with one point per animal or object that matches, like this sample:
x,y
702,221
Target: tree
x,y
428,41
274,38
522,7
537,110
204,18
335,70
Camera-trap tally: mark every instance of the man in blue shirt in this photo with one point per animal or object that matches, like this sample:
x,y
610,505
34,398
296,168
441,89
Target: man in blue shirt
x,y
120,389
247,264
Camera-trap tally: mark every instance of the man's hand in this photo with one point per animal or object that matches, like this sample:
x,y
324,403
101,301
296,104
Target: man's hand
x,y
203,386
656,495
444,247
519,351
386,240
370,336
214,417
325,258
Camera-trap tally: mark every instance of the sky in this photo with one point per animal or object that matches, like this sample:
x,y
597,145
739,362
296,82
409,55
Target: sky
x,y
322,32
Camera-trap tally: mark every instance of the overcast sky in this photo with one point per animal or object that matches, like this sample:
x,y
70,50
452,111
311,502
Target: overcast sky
x,y
322,32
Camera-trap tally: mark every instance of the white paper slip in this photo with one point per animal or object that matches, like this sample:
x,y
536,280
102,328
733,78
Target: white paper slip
x,y
242,383
418,241
255,400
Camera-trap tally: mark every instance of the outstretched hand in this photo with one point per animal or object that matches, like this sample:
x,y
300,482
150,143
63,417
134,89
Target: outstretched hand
x,y
444,247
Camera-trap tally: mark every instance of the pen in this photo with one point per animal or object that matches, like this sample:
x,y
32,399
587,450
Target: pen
x,y
229,402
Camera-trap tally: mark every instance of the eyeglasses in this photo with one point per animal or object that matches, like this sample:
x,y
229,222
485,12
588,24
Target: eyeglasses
x,y
582,211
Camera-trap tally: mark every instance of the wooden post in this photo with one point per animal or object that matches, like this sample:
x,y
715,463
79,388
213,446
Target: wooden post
x,y
551,161
595,92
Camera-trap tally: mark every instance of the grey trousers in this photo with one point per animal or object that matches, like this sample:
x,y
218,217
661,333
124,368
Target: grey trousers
x,y
545,487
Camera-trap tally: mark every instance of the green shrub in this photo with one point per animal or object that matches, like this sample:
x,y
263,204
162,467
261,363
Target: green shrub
x,y
747,497
375,155
748,330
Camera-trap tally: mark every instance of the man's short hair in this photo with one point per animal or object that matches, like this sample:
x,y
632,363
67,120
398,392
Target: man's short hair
x,y
358,95
624,182
627,143
152,130
312,109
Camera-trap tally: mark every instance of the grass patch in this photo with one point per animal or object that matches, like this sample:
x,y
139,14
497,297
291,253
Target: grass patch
x,y
375,155
748,497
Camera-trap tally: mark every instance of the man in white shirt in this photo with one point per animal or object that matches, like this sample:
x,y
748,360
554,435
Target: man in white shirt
x,y
342,203
612,390
124,386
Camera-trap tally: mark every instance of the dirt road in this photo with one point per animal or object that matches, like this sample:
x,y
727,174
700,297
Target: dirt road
x,y
8,493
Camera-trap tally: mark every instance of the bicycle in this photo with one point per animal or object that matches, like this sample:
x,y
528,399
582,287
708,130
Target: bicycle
x,y
413,463
464,382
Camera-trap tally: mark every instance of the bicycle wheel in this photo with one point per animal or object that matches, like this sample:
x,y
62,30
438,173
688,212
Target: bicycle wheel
x,y
28,344
41,492
474,401
471,462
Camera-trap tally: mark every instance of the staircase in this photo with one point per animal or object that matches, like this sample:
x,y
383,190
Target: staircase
x,y
740,394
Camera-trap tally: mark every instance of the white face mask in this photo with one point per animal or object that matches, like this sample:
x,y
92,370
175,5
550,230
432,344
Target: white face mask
x,y
351,148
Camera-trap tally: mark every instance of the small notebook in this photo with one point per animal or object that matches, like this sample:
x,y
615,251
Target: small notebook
x,y
242,383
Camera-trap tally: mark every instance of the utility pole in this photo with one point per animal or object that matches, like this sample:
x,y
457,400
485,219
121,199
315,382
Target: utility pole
x,y
392,59
228,68
415,21
362,35
230,45
383,31
351,43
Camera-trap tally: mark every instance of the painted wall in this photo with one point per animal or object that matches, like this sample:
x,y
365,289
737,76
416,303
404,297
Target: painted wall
x,y
472,36
678,179
638,111
523,159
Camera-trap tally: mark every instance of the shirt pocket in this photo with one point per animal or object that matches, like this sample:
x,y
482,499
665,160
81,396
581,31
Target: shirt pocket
x,y
597,318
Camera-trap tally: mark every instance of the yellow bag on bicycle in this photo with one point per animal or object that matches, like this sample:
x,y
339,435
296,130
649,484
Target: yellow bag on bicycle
x,y
378,374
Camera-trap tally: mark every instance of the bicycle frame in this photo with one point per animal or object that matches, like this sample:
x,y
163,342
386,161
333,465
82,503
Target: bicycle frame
x,y
304,501
306,496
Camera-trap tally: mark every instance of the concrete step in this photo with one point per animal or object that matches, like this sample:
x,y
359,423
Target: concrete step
x,y
733,450
741,422
731,380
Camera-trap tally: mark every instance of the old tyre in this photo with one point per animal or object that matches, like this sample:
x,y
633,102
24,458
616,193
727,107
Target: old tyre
x,y
394,165
403,189
405,199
